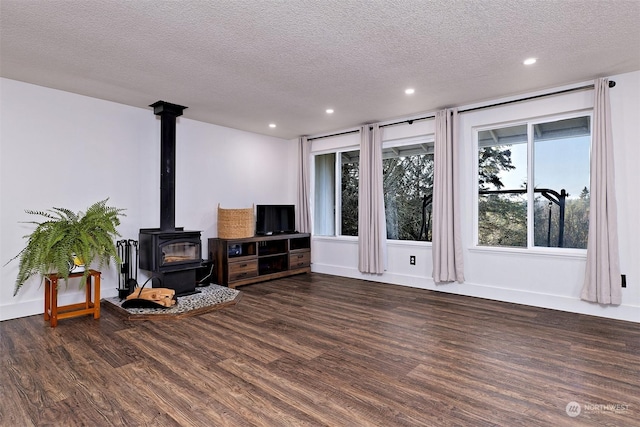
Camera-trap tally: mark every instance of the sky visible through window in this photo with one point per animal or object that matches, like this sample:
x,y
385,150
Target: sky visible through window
x,y
559,164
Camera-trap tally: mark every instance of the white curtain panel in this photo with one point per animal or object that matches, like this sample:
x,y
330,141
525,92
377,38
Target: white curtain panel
x,y
303,211
372,229
602,277
447,242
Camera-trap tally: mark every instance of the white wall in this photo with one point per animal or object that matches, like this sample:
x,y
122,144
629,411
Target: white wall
x,y
528,277
65,150
49,138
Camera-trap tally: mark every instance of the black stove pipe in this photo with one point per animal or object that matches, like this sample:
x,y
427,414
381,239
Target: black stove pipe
x,y
168,113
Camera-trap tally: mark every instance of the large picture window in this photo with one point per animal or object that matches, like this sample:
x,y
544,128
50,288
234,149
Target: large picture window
x,y
408,189
554,156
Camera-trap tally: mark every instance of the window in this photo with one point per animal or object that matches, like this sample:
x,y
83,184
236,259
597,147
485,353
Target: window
x,y
408,190
330,175
349,184
324,197
554,155
502,186
407,180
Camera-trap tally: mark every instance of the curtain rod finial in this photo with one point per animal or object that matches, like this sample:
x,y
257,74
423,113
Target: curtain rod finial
x,y
612,83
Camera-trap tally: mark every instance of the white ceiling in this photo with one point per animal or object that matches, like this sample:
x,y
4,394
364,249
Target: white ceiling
x,y
247,63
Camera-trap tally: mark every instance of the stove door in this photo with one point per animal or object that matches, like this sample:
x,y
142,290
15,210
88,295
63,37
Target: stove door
x,y
178,253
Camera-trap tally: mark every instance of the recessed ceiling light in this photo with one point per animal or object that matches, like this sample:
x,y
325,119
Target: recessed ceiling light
x,y
329,110
272,125
529,61
409,91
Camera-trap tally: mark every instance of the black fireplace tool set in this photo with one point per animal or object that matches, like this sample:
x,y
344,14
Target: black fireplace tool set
x,y
128,277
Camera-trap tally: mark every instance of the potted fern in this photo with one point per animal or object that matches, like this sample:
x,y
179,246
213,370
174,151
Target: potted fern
x,y
64,236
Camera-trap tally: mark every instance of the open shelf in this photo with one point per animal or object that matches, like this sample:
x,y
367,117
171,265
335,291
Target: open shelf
x,y
273,264
272,247
242,249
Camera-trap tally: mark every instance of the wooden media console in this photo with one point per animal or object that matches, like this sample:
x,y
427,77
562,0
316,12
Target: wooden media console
x,y
256,259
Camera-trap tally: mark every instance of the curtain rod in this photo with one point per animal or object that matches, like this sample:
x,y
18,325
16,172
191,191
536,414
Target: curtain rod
x,y
410,121
513,101
334,134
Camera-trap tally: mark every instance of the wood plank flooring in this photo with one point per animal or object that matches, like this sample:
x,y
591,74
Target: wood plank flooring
x,y
319,350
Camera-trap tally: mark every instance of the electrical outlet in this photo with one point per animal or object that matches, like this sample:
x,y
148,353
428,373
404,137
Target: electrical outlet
x,y
412,259
624,280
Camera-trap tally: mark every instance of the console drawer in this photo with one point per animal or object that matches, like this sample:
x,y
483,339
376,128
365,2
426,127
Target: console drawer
x,y
243,269
299,259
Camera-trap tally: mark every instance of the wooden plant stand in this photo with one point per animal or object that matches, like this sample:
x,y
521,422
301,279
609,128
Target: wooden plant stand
x,y
52,313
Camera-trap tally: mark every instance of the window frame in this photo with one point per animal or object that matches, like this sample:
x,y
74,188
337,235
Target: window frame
x,y
530,248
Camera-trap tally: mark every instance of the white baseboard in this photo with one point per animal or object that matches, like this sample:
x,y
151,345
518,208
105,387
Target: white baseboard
x,y
554,302
36,306
22,309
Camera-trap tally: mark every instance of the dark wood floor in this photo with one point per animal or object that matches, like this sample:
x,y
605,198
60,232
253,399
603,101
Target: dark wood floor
x,y
318,350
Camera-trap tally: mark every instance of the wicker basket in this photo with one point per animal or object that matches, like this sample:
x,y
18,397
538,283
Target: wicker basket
x,y
235,223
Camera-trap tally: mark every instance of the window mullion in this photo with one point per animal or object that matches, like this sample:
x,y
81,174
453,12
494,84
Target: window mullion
x,y
530,187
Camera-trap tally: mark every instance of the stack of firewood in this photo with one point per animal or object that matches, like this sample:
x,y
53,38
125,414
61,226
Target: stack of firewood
x,y
161,296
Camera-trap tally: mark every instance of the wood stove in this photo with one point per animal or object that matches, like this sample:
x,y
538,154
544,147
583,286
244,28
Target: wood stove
x,y
169,250
171,254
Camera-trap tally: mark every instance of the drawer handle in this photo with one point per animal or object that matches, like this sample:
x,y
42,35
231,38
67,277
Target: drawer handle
x,y
242,274
243,265
300,256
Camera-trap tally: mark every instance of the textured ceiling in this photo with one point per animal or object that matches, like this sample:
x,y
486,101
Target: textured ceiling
x,y
247,63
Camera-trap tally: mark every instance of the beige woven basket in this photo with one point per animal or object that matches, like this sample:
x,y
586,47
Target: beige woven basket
x,y
235,223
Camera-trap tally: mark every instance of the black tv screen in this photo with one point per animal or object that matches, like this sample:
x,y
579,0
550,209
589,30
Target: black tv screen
x,y
275,219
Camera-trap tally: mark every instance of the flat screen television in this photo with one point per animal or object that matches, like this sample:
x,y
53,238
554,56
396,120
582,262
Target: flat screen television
x,y
275,219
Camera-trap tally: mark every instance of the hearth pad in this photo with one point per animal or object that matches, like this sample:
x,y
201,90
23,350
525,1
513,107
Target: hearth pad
x,y
212,297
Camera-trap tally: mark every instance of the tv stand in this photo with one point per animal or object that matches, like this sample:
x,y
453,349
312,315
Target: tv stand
x,y
256,259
